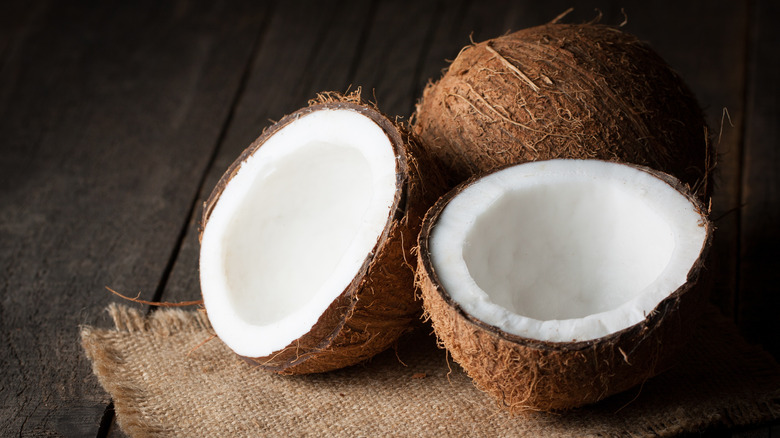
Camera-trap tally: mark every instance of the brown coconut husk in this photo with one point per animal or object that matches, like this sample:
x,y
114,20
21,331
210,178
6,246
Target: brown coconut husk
x,y
564,91
524,374
379,304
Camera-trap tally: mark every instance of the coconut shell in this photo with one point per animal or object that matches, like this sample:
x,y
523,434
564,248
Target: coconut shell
x,y
379,304
563,91
524,374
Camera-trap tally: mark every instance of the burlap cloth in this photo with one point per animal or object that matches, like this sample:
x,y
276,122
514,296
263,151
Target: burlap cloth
x,y
164,384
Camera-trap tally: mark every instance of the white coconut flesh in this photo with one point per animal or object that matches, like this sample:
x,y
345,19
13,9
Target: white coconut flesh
x,y
293,227
565,250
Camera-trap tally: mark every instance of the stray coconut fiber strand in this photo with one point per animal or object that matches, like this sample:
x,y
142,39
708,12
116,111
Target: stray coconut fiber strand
x,y
165,383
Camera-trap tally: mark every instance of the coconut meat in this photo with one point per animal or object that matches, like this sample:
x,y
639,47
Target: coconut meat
x,y
565,250
293,227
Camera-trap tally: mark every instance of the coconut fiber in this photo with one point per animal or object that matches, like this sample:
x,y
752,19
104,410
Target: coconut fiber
x,y
166,381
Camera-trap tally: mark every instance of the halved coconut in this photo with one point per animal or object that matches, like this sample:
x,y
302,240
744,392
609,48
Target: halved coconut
x,y
304,240
557,283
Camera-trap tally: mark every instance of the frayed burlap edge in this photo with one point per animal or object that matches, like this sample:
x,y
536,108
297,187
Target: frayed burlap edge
x,y
108,362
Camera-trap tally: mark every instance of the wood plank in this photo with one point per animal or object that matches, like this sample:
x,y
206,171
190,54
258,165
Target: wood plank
x,y
15,25
398,39
760,432
759,294
109,113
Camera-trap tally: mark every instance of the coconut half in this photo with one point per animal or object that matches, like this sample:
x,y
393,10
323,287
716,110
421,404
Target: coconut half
x,y
557,283
304,240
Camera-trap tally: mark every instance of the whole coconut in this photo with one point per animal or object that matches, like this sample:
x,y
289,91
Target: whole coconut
x,y
563,91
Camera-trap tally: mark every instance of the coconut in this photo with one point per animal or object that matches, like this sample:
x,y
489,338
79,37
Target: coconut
x,y
305,261
557,283
563,91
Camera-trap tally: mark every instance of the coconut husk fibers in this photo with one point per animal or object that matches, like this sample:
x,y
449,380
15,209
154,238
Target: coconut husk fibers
x,y
164,385
379,304
525,374
564,91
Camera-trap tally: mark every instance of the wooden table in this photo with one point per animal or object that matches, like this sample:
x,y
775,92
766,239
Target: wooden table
x,y
116,120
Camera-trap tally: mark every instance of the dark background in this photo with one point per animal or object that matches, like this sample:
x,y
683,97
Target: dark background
x,y
117,119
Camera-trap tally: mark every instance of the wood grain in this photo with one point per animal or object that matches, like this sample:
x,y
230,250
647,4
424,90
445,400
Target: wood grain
x,y
108,114
759,293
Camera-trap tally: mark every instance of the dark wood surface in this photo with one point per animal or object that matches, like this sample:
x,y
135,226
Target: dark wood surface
x,y
116,120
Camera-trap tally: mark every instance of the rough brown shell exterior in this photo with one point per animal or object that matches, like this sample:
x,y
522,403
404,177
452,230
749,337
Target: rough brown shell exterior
x,y
379,305
564,91
524,374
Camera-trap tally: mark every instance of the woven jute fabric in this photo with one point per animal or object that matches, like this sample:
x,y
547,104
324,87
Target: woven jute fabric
x,y
168,379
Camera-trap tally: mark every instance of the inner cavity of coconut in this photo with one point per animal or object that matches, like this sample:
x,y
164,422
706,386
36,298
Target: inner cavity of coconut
x,y
293,227
565,250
